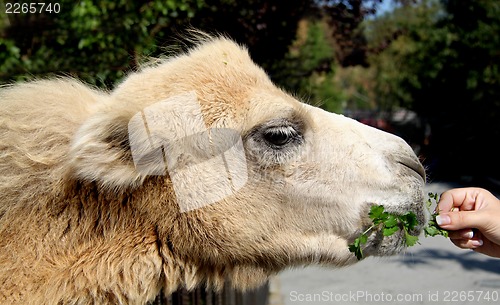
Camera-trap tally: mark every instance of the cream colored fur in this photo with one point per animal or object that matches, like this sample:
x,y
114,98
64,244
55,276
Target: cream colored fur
x,y
80,224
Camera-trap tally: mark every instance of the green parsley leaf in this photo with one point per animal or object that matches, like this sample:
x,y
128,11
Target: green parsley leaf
x,y
391,221
355,247
389,224
432,228
410,220
410,239
390,231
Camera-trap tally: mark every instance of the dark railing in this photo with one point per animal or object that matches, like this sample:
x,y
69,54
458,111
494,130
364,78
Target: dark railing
x,y
227,296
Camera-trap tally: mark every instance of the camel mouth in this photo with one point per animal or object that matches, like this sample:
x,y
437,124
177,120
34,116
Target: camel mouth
x,y
379,245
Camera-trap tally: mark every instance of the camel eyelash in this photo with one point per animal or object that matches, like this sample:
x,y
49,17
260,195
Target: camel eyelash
x,y
278,133
280,136
276,141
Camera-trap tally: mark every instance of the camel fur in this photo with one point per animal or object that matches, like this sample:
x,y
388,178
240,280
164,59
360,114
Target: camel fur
x,y
82,223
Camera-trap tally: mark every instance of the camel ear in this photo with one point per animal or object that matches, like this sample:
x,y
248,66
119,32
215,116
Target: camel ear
x,y
170,138
119,149
100,152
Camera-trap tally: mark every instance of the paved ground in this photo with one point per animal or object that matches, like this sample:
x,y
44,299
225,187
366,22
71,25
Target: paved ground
x,y
435,272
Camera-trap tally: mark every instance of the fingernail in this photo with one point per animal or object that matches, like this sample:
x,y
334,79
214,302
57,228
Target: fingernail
x,y
468,235
443,220
476,242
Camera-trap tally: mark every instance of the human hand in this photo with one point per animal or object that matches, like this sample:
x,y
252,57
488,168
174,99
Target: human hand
x,y
472,215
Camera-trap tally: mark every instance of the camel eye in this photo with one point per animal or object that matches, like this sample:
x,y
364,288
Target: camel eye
x,y
275,142
278,137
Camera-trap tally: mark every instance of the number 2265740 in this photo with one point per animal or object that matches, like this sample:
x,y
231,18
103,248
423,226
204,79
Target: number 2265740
x,y
32,8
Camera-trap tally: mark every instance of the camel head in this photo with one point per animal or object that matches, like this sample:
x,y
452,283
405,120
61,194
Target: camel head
x,y
240,176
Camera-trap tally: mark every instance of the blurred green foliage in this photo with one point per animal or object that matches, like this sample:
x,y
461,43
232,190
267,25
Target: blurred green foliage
x,y
100,41
97,41
308,68
441,59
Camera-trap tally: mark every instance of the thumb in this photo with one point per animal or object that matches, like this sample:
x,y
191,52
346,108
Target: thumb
x,y
460,220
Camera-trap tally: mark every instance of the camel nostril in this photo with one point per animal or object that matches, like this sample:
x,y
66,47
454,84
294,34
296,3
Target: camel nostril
x,y
414,166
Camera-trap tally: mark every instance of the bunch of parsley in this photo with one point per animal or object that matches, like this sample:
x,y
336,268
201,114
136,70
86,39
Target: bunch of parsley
x,y
432,229
389,223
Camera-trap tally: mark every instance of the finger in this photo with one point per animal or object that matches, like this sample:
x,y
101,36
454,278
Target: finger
x,y
463,198
489,248
461,234
467,244
460,220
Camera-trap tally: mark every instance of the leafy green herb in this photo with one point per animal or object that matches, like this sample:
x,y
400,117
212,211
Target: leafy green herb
x,y
389,224
432,228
